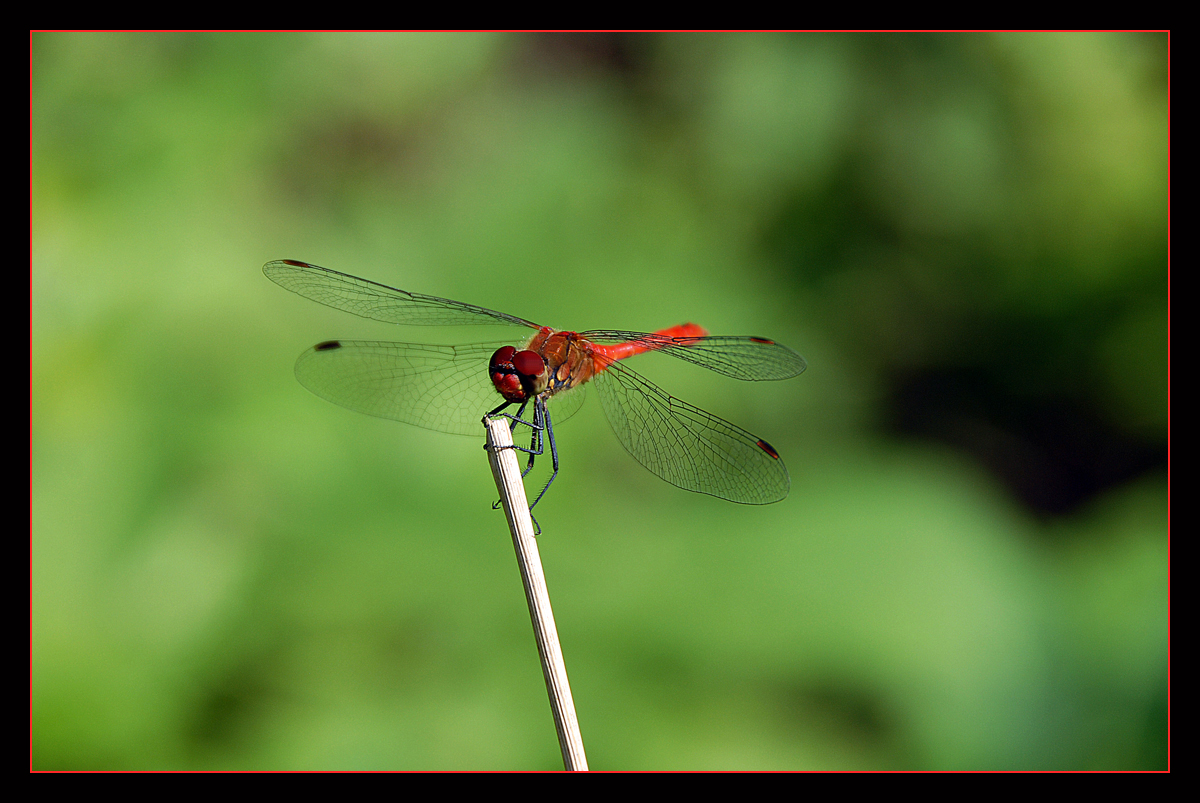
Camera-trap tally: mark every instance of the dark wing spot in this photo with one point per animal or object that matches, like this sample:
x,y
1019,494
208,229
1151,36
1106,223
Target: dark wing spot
x,y
328,345
296,264
768,448
767,342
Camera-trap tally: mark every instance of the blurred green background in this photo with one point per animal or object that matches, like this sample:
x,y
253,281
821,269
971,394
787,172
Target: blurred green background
x,y
965,235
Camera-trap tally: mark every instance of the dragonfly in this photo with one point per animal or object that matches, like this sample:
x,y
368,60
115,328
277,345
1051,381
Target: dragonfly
x,y
448,388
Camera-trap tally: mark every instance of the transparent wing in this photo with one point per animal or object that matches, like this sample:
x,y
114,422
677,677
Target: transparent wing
x,y
443,388
752,358
378,301
686,446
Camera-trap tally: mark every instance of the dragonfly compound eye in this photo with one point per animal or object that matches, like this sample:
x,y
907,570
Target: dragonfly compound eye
x,y
501,358
528,363
515,373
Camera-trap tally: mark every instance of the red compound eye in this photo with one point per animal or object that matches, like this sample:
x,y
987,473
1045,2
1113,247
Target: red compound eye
x,y
527,363
502,356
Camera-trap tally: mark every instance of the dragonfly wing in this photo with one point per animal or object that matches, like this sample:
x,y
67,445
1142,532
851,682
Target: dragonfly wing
x,y
443,388
751,358
686,446
378,301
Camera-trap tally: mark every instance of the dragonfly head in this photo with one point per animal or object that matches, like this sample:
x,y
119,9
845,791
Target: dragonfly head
x,y
517,375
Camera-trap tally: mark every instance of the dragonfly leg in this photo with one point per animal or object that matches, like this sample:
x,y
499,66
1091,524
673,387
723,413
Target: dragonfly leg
x,y
542,415
540,424
535,444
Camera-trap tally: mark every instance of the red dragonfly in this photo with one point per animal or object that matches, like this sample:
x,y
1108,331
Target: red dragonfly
x,y
446,388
